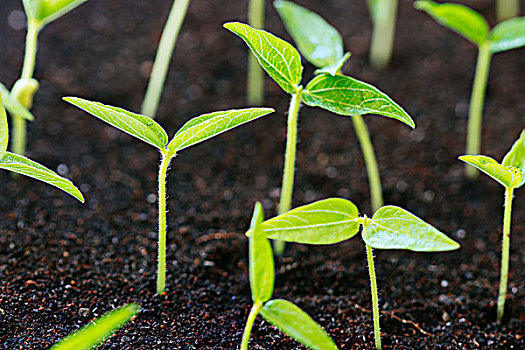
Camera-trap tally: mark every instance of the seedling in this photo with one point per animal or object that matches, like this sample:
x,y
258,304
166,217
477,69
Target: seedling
x,y
255,89
383,14
146,129
511,174
97,332
163,57
284,315
39,13
506,9
507,35
334,220
339,94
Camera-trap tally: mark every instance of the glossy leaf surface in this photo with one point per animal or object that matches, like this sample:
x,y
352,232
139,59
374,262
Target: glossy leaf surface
x,y
508,35
46,11
508,176
516,156
395,228
13,106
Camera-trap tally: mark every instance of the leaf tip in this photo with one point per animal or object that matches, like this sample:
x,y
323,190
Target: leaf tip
x,y
421,5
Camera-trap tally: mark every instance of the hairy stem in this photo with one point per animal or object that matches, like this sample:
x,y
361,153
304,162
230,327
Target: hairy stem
x,y
375,299
370,160
476,106
506,9
161,263
505,253
255,89
163,57
249,324
384,21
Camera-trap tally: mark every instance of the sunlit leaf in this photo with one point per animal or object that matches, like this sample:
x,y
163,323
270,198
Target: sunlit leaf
x,y
334,68
348,96
395,228
516,156
278,58
46,11
140,126
209,125
99,330
4,129
508,176
508,35
293,321
13,106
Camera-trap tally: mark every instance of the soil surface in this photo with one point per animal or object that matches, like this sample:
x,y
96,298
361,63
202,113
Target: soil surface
x,y
63,264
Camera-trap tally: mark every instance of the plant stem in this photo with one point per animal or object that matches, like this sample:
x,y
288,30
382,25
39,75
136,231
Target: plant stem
x,y
375,299
255,89
506,9
163,57
161,264
384,22
370,161
285,202
476,105
249,324
505,253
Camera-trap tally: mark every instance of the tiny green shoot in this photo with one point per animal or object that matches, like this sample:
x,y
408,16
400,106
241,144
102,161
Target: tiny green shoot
x,y
511,174
146,129
507,35
284,315
255,88
383,14
334,220
506,9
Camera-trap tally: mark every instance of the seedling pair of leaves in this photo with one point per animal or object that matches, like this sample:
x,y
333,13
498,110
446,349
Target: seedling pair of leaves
x,y
146,129
507,35
511,174
335,220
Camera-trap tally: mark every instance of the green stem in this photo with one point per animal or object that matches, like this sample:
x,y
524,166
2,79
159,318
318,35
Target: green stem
x,y
163,57
285,202
505,253
476,105
255,89
384,22
506,9
370,160
161,264
375,299
249,324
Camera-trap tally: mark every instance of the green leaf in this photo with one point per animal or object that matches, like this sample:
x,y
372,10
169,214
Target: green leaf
x,y
278,58
324,222
46,11
515,157
508,35
334,68
209,125
348,96
319,42
293,321
508,176
461,19
4,129
138,125
13,106
262,272
395,228
25,166
99,330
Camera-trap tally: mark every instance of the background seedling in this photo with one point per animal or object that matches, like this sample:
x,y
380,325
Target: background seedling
x,y
511,174
95,333
506,9
383,14
334,220
507,35
255,88
146,129
163,57
339,94
284,315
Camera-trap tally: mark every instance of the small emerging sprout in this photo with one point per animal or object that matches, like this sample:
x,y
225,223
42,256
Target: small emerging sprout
x,y
146,129
383,14
284,315
334,220
255,88
506,9
511,174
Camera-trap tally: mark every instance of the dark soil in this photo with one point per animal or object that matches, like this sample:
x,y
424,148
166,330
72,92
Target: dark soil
x,y
63,264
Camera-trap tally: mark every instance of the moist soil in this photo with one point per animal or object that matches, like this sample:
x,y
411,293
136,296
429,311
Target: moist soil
x,y
63,263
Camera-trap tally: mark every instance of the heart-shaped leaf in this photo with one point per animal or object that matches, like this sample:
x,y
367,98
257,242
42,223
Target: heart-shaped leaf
x,y
4,129
319,42
13,106
262,272
324,222
294,322
348,96
95,333
22,165
138,125
46,11
508,35
508,176
515,157
278,58
209,125
334,68
395,228
461,19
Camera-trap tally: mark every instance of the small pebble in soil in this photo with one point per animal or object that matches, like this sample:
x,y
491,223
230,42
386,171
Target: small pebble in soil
x,y
83,312
444,283
151,198
461,233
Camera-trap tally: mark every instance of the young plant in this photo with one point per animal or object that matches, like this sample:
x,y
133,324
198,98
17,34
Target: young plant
x,y
383,13
507,35
255,88
511,174
39,13
284,315
506,9
97,332
336,93
163,57
334,220
146,129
